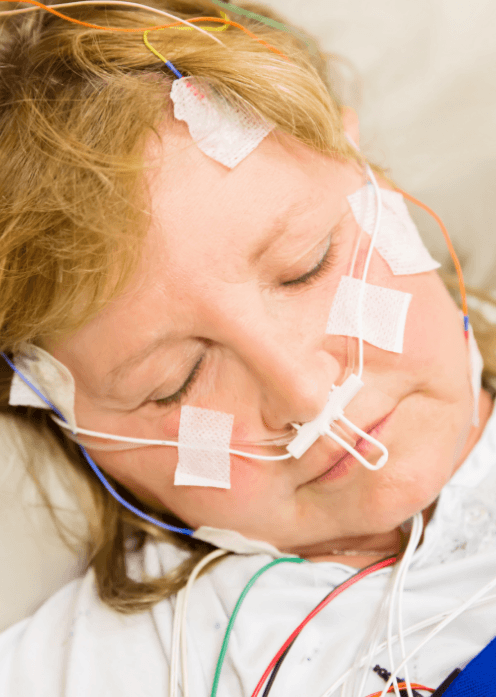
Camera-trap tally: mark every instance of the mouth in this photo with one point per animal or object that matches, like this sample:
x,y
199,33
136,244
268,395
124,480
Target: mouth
x,y
339,463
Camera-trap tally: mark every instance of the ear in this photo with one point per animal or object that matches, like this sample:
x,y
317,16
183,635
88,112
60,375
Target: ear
x,y
351,124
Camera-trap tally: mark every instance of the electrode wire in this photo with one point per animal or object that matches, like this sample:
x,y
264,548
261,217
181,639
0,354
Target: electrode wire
x,y
94,467
135,30
244,592
153,10
397,591
180,637
352,580
439,628
397,580
411,630
452,252
171,443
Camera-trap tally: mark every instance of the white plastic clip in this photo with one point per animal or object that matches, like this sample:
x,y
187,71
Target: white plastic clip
x,y
339,398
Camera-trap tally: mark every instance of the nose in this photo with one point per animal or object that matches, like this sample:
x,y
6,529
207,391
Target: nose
x,y
293,379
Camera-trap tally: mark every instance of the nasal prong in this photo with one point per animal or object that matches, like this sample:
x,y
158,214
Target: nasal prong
x,y
338,399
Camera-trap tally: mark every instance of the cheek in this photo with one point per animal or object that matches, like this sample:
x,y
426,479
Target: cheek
x,y
149,475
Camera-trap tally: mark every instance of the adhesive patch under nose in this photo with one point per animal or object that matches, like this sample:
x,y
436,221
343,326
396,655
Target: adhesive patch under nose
x,y
398,240
384,312
204,441
225,133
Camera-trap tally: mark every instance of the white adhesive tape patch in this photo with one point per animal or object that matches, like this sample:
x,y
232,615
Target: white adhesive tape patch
x,y
224,133
204,441
384,312
398,240
49,376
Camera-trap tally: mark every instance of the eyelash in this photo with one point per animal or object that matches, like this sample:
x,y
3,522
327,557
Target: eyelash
x,y
319,270
178,396
322,267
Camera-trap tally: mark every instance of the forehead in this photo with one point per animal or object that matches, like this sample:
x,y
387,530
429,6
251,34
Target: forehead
x,y
203,211
207,225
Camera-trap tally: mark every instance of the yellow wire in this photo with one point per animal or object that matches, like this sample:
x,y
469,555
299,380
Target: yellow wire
x,y
160,56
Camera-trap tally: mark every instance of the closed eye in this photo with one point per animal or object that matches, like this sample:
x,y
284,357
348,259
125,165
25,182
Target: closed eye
x,y
178,396
319,270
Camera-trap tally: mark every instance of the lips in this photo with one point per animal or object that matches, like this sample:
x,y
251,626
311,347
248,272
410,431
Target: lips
x,y
360,445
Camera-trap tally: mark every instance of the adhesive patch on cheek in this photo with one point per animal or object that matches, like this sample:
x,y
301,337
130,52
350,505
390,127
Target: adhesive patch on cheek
x,y
204,441
49,376
476,367
224,133
384,313
398,240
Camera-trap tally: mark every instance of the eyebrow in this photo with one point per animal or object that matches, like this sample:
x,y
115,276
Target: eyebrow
x,y
272,234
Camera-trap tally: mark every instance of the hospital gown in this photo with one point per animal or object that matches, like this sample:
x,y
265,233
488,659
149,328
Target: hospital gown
x,y
75,646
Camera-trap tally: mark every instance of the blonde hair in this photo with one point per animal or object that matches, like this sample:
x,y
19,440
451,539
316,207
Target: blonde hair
x,y
75,114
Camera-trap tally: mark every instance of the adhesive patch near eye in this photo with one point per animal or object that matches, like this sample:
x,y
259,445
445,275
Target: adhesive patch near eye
x,y
49,376
224,133
476,368
203,444
384,313
398,240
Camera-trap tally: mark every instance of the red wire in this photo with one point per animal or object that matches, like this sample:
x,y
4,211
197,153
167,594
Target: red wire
x,y
354,579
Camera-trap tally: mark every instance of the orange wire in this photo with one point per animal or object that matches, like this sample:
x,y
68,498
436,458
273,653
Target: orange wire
x,y
451,249
164,26
402,686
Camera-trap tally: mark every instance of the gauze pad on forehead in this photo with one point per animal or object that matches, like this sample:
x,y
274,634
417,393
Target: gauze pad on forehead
x,y
384,312
49,376
398,240
224,133
204,440
476,368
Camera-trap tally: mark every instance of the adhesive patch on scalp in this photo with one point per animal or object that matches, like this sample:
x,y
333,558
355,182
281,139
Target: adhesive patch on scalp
x,y
203,444
384,313
51,377
398,240
224,133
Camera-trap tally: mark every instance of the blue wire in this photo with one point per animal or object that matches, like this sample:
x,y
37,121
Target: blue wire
x,y
174,69
94,467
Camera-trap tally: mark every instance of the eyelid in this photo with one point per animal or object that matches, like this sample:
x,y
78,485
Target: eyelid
x,y
184,389
322,266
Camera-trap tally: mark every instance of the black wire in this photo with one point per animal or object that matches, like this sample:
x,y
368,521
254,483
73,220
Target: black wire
x,y
283,656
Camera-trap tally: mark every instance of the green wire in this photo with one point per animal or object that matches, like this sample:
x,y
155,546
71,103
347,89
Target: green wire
x,y
264,20
250,583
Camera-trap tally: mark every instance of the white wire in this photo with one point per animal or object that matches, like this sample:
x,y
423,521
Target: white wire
x,y
398,586
366,267
440,627
154,10
397,579
179,627
411,630
176,629
148,441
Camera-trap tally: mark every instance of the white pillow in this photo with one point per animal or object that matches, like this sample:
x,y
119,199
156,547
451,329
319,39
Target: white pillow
x,y
34,561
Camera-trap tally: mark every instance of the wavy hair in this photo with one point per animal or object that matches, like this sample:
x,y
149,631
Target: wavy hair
x,y
77,106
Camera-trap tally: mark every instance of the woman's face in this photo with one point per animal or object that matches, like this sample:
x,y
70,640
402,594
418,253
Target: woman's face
x,y
226,277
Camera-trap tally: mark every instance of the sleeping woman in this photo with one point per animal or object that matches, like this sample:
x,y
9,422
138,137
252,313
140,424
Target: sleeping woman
x,y
224,322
